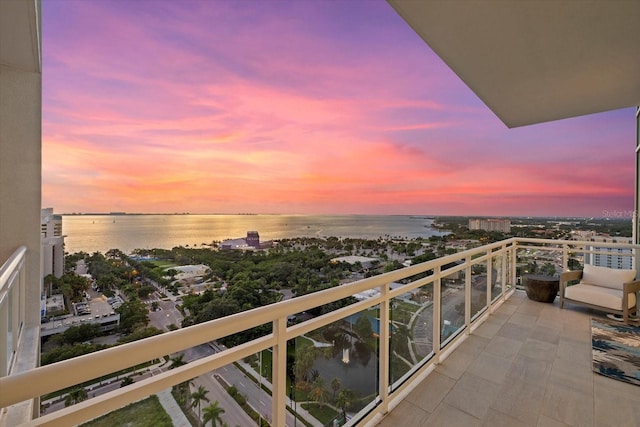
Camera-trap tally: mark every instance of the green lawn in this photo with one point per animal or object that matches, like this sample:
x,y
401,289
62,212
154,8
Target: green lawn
x,y
164,264
323,413
146,413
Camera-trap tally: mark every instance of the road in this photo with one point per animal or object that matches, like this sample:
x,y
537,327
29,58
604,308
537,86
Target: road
x,y
257,398
423,329
167,315
234,415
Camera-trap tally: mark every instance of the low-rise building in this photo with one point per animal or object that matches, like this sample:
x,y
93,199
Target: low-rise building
x,y
490,224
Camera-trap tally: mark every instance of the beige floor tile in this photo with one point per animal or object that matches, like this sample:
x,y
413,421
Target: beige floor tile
x,y
498,419
617,403
523,319
545,421
570,406
472,394
515,331
474,344
504,347
545,334
573,375
456,364
534,372
449,416
521,401
531,307
576,352
487,330
490,367
535,349
405,414
431,391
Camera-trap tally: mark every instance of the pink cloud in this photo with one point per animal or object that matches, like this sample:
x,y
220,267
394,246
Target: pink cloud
x,y
209,107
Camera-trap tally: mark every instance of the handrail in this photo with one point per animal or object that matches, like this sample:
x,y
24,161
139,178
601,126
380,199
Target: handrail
x,y
12,310
9,269
83,368
46,379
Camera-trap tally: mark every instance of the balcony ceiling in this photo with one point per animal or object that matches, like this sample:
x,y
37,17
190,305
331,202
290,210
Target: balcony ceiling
x,y
19,36
536,61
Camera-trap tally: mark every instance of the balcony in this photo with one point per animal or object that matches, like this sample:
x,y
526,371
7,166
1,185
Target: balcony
x,y
461,346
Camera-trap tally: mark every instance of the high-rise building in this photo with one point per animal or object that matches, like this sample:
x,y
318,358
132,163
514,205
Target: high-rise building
x,y
489,224
51,244
621,258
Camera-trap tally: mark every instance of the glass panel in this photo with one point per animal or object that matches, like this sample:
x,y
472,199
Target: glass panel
x,y
496,276
452,306
411,331
7,309
479,278
334,369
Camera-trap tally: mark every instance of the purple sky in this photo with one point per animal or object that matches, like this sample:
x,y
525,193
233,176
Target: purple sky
x,y
296,107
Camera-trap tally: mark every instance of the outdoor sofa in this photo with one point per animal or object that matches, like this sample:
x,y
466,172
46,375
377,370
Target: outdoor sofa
x,y
601,288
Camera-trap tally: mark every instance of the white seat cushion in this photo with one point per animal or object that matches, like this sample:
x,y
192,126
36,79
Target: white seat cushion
x,y
598,295
607,277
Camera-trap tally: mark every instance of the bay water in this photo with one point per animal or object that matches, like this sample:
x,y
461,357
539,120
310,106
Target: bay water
x,y
99,233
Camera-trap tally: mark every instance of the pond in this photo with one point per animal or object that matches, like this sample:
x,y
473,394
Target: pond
x,y
359,371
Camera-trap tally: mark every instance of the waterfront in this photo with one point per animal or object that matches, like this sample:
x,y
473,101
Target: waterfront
x,y
91,233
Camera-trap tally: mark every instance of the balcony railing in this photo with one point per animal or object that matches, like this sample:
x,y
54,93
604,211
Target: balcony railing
x,y
418,315
12,308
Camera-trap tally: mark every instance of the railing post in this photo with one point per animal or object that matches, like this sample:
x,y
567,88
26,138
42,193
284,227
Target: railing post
x,y
565,257
467,295
503,270
437,303
385,351
4,338
514,263
279,368
489,280
17,319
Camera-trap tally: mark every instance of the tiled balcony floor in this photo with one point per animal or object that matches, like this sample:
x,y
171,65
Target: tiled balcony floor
x,y
529,364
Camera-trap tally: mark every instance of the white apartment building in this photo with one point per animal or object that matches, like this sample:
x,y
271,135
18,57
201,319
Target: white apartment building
x,y
51,244
490,224
621,257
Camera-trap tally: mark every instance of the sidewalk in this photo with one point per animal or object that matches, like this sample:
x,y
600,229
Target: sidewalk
x,y
178,419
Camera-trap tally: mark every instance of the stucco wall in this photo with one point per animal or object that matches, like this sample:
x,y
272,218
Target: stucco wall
x,y
20,174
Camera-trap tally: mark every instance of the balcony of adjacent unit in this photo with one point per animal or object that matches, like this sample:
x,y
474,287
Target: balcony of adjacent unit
x,y
452,341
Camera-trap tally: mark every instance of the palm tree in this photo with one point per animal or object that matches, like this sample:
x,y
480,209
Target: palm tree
x,y
76,395
198,396
212,413
182,388
335,385
344,400
305,356
318,390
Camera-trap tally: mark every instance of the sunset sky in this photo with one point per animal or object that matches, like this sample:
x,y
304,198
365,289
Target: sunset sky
x,y
318,107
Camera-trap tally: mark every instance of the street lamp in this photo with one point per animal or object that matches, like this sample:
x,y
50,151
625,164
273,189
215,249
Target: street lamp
x,y
293,403
260,386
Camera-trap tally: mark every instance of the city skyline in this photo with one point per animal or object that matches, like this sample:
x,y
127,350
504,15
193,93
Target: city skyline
x,y
296,107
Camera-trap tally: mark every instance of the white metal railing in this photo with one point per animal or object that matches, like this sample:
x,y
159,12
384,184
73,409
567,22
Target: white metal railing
x,y
12,308
495,264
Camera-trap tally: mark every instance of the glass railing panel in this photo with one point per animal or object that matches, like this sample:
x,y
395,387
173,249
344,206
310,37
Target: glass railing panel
x,y
98,386
7,313
249,390
333,370
497,269
411,331
479,279
452,306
